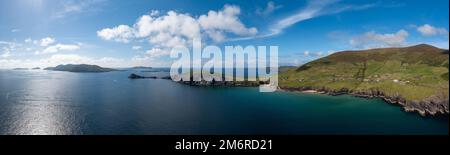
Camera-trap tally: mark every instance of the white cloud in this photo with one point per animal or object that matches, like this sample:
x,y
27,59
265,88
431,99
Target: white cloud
x,y
171,29
121,33
271,7
306,53
157,52
168,30
8,48
28,40
6,43
225,20
428,30
46,41
6,54
136,47
59,47
372,39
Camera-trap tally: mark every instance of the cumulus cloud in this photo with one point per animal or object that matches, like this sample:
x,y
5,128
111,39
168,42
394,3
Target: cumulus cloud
x,y
49,45
42,42
429,30
171,29
58,47
372,39
7,48
46,41
121,33
157,52
179,29
225,20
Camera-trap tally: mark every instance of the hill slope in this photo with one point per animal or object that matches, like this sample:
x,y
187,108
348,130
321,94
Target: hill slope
x,y
415,77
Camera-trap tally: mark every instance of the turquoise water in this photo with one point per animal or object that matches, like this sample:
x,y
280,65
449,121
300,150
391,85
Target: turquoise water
x,y
48,102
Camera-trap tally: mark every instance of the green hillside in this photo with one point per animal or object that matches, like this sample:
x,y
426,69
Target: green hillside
x,y
415,74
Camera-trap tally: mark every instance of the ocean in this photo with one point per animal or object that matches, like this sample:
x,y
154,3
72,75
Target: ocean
x,y
63,103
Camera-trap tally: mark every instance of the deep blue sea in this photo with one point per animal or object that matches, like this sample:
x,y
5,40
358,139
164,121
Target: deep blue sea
x,y
52,102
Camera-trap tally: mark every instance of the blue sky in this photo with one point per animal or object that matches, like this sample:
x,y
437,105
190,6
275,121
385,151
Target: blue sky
x,y
117,33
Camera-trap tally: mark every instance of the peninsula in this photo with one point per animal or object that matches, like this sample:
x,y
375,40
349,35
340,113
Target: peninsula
x,y
414,77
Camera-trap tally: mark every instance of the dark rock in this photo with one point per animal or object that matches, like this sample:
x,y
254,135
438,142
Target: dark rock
x,y
135,76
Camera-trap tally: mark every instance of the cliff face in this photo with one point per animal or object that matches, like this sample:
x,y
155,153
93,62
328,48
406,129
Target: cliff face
x,y
434,105
414,77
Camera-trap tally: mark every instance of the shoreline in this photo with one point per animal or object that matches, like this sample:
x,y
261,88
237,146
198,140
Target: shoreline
x,y
433,106
427,107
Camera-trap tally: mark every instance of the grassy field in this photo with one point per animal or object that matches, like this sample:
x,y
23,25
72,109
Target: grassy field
x,y
415,73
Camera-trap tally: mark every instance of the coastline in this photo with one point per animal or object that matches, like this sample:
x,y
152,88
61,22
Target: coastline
x,y
432,106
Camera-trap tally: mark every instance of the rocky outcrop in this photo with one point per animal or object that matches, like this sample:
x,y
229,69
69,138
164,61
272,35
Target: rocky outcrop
x,y
434,105
135,76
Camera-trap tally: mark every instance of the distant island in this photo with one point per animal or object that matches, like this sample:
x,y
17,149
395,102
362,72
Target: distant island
x,y
80,68
36,68
142,67
414,77
20,68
